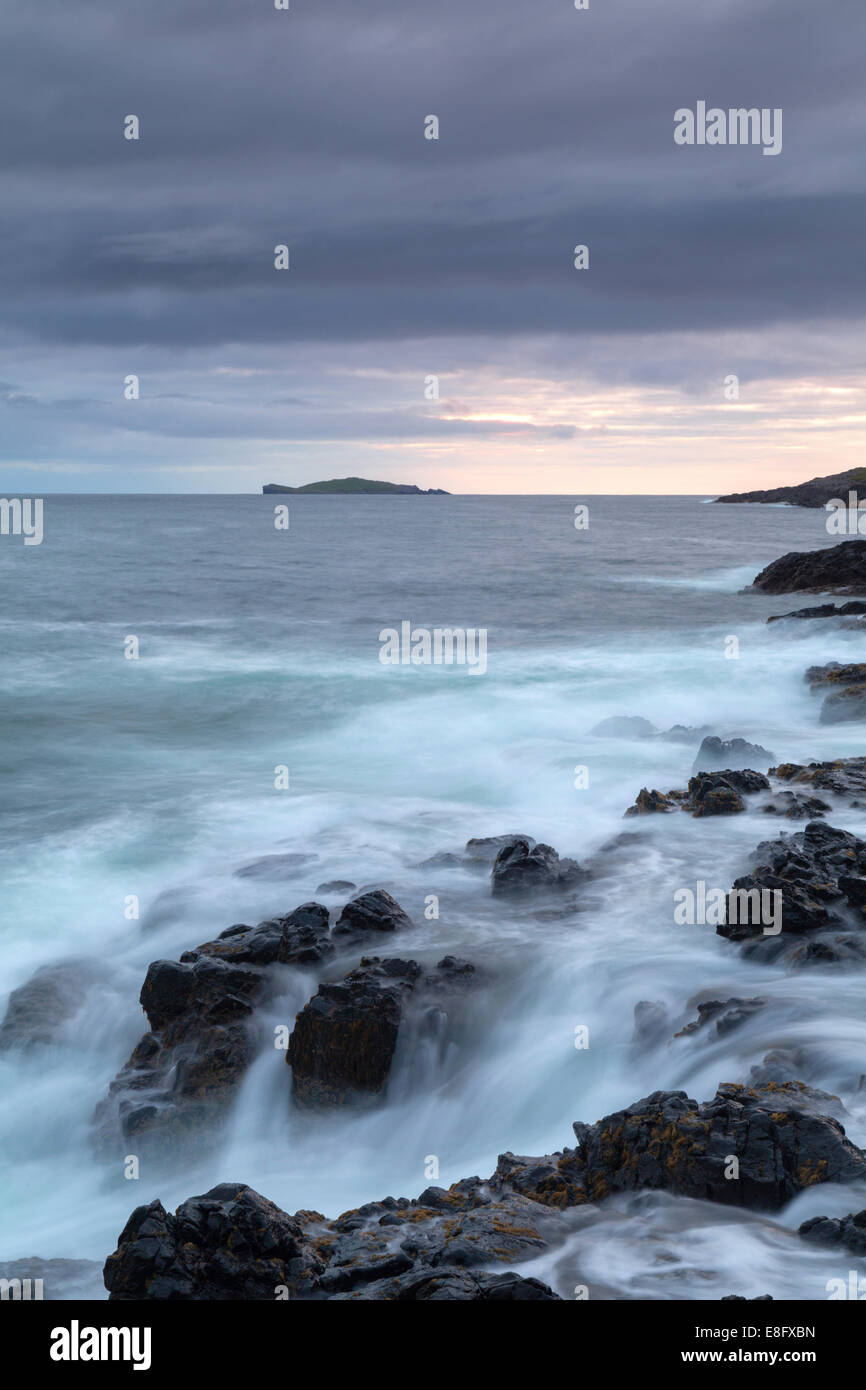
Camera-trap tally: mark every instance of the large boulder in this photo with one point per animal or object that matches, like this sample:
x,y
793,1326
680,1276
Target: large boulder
x,y
345,1037
838,569
671,1142
231,1243
523,868
849,1231
372,914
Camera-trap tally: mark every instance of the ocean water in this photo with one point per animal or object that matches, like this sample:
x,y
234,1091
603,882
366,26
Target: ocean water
x,y
259,648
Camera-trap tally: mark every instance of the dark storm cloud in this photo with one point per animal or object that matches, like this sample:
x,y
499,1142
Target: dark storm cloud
x,y
306,127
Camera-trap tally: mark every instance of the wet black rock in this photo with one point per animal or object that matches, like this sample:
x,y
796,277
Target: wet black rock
x,y
344,1039
846,1231
231,1243
199,1047
839,569
794,807
671,1142
372,914
708,794
524,867
855,609
818,872
725,755
844,777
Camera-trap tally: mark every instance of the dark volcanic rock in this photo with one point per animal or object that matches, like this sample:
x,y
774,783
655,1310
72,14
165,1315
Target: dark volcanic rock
x,y
844,706
230,1243
839,569
344,1039
795,807
844,777
854,609
818,871
51,997
370,915
847,1231
733,754
671,1142
527,868
233,1244
708,794
836,673
181,1073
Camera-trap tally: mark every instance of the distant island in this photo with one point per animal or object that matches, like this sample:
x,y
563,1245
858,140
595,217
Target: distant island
x,y
359,485
816,493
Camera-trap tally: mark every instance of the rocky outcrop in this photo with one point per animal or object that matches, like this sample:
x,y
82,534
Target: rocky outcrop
x,y
754,1147
373,914
844,777
485,850
846,701
708,794
819,873
794,807
671,1142
838,569
199,1047
723,1014
855,610
524,867
344,1039
732,754
849,1232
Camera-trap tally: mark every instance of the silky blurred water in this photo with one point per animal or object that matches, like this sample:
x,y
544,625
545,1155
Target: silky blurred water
x,y
259,648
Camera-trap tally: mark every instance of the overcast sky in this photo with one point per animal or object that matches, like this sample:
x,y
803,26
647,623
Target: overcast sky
x,y
412,257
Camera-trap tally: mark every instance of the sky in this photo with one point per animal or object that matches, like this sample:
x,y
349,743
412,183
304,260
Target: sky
x,y
412,258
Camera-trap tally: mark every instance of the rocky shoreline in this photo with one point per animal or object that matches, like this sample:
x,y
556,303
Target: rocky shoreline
x,y
756,1144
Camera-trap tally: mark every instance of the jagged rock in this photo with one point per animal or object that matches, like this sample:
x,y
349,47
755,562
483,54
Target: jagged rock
x,y
847,1231
733,754
51,997
526,868
708,794
839,569
824,610
276,867
671,1142
343,1042
726,1014
836,674
231,1243
741,1298
181,1073
818,872
649,803
370,915
843,777
485,850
